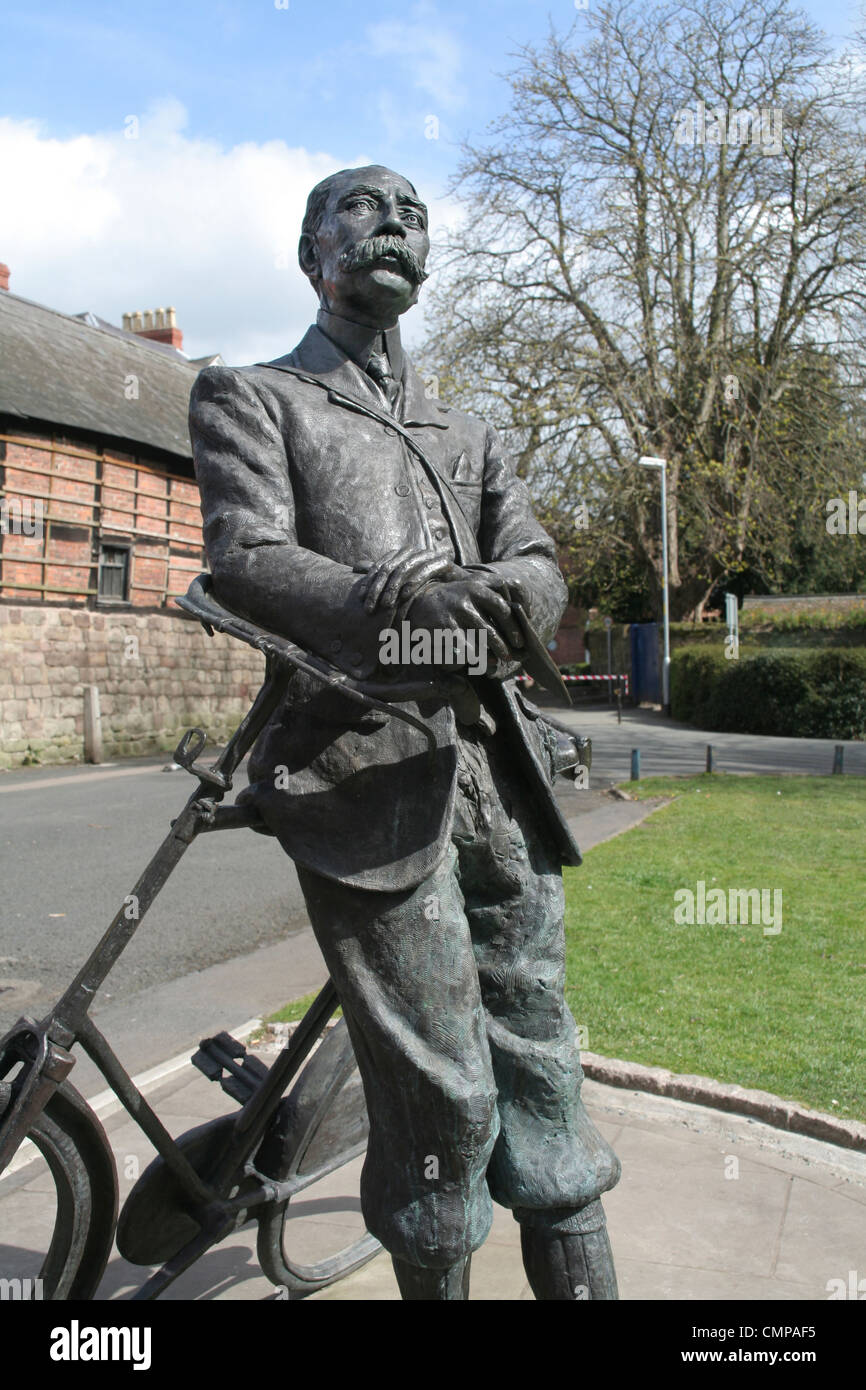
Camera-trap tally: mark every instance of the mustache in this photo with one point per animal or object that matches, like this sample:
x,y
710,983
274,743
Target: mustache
x,y
371,250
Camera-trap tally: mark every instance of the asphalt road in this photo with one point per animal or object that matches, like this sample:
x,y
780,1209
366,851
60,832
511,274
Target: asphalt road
x,y
672,750
73,841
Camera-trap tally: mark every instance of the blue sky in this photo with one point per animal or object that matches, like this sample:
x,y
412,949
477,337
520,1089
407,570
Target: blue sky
x,y
319,73
238,108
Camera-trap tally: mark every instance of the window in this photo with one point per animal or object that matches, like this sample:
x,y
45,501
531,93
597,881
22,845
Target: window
x,y
114,573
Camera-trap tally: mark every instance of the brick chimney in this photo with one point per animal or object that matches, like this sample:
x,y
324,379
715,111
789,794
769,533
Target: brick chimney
x,y
156,324
4,276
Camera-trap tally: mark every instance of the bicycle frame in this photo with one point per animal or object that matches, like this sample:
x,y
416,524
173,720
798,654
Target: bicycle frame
x,y
44,1047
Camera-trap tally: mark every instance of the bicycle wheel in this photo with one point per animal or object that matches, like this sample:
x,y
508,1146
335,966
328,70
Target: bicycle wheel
x,y
320,1127
64,1195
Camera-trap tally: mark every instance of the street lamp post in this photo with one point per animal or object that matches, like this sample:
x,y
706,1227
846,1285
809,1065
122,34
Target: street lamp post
x,y
662,465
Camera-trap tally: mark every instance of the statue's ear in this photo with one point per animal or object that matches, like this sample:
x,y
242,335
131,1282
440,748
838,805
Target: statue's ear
x,y
308,256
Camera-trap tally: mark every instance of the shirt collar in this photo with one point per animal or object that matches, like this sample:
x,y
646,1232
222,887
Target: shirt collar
x,y
358,340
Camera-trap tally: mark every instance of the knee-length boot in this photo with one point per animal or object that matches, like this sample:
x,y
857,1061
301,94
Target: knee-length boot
x,y
432,1284
569,1264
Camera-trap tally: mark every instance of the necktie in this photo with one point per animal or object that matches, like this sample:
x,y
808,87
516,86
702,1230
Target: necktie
x,y
379,368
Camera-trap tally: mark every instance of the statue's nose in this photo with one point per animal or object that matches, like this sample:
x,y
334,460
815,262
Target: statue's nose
x,y
392,223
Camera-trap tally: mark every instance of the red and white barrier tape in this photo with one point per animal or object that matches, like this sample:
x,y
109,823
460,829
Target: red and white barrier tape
x,y
611,678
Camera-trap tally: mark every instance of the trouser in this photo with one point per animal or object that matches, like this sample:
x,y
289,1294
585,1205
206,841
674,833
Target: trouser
x,y
453,996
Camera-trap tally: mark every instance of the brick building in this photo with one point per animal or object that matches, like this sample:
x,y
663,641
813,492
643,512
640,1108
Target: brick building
x,y
100,506
570,642
99,529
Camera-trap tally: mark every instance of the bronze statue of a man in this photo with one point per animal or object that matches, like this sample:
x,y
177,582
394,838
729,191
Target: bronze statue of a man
x,y
340,503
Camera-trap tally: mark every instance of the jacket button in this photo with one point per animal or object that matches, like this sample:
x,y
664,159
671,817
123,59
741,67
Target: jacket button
x,y
336,646
402,489
439,535
390,431
429,501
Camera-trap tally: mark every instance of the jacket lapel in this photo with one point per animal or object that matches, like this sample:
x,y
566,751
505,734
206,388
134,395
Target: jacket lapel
x,y
418,408
320,357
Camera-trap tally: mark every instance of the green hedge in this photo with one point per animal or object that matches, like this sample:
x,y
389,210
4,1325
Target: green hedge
x,y
807,694
800,631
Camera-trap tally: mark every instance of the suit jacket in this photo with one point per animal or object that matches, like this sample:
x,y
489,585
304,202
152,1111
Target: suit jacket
x,y
302,475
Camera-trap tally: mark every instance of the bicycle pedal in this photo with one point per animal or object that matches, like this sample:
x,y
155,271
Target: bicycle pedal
x,y
224,1059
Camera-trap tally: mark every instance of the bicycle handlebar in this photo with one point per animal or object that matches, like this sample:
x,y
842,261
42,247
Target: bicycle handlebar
x,y
199,602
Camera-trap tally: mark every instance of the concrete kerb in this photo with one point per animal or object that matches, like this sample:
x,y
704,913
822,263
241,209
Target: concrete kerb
x,y
609,1071
698,1090
737,1100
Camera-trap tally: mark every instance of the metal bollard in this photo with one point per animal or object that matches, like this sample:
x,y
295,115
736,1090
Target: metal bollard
x,y
710,758
838,755
635,764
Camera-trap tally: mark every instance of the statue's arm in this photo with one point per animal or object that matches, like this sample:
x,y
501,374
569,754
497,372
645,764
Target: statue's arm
x,y
259,569
514,545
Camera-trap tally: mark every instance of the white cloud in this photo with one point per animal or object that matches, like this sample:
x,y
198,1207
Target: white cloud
x,y
433,56
108,223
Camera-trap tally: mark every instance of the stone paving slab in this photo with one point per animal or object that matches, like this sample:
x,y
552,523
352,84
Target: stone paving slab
x,y
682,1225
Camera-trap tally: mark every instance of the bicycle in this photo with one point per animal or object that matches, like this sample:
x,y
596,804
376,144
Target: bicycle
x,y
241,1167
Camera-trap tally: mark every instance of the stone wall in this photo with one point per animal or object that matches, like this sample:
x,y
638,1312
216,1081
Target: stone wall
x,y
777,604
157,675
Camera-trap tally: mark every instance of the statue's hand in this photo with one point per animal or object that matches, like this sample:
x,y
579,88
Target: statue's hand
x,y
468,603
400,575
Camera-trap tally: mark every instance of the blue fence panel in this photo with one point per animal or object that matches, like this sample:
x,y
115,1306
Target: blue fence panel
x,y
645,666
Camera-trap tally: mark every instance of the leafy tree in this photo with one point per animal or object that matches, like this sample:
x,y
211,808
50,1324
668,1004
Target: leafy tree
x,y
663,254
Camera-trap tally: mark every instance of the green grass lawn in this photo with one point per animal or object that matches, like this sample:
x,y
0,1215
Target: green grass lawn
x,y
784,1013
290,1013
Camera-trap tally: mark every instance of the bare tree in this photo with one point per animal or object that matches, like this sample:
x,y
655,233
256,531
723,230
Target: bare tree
x,y
663,236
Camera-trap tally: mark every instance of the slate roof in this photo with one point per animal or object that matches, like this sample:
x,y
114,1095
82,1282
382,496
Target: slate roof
x,y
71,370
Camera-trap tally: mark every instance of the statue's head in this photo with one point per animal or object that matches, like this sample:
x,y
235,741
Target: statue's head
x,y
364,244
